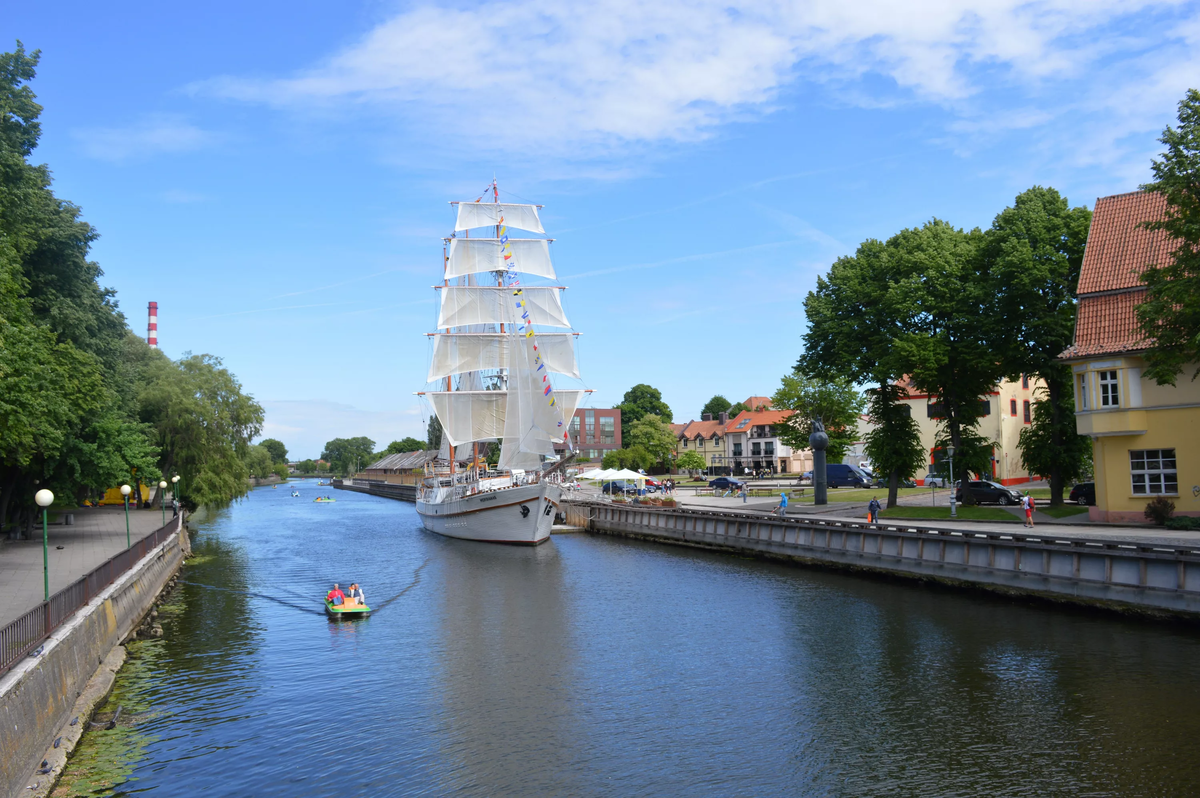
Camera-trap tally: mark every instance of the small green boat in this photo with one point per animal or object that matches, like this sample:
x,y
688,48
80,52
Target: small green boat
x,y
346,610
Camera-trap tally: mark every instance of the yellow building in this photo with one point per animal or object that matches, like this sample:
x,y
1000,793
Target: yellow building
x,y
706,438
1145,436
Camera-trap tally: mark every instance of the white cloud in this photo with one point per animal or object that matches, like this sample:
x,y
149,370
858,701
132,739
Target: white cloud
x,y
151,135
585,77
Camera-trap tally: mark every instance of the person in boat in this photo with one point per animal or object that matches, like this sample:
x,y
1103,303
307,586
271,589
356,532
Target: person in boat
x,y
356,595
335,597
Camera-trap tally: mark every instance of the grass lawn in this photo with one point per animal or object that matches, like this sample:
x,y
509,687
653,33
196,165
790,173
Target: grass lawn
x,y
865,494
943,513
1062,512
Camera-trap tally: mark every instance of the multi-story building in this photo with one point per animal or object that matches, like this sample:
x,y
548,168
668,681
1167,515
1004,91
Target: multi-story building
x,y
752,442
706,437
595,432
1006,411
1145,436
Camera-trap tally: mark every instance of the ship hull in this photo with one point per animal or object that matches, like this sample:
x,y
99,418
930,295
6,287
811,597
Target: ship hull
x,y
522,515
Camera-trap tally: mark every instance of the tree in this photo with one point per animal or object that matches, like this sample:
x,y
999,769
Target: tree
x,y
949,340
1033,253
654,436
716,406
258,461
836,401
278,451
634,458
308,466
736,408
642,400
433,432
854,317
691,461
1169,316
348,454
403,446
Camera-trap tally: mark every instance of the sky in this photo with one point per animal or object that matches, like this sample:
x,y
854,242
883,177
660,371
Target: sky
x,y
277,175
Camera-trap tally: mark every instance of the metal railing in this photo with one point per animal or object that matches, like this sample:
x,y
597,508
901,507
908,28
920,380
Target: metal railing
x,y
28,631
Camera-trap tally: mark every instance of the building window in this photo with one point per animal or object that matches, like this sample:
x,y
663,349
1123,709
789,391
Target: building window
x,y
1108,389
716,440
737,450
1012,406
1025,409
683,443
1153,472
1082,391
589,420
769,449
699,443
608,433
934,410
1025,381
755,449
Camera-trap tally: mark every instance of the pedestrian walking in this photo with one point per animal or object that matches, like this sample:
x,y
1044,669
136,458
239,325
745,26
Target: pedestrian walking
x,y
873,510
1027,505
745,493
782,503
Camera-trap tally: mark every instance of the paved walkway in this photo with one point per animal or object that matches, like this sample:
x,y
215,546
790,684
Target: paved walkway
x,y
97,534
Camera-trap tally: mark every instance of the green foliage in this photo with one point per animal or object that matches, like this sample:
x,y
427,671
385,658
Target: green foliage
x,y
1185,522
258,461
717,405
1049,445
281,470
1032,254
348,454
642,400
1159,510
401,447
308,466
1169,316
278,451
651,434
836,401
691,461
631,457
736,408
894,445
433,432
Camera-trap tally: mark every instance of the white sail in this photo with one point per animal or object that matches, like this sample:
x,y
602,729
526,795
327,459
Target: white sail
x,y
464,305
474,255
531,424
487,214
455,354
468,416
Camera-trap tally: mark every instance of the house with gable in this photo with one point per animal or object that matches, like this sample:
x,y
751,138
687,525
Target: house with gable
x,y
705,437
1145,436
752,442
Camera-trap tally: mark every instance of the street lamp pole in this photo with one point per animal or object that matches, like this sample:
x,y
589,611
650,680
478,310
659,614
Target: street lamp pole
x,y
953,506
44,499
162,491
175,487
125,491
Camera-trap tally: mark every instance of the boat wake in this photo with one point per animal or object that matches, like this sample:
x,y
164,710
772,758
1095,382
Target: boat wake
x,y
411,585
275,599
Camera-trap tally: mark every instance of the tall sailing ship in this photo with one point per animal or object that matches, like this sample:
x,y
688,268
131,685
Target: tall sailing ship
x,y
494,363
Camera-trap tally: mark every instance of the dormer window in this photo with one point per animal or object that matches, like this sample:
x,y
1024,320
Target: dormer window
x,y
1108,389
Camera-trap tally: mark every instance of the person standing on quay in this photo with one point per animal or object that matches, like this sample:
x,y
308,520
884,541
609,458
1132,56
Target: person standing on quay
x,y
873,510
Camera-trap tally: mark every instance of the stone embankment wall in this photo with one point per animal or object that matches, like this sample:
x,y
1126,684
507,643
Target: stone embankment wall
x,y
1128,576
38,695
404,493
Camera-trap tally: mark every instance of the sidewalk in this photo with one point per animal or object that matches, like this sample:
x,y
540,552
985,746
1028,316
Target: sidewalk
x,y
97,534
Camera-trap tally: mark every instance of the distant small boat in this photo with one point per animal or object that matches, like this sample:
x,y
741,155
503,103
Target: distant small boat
x,y
324,500
341,611
295,494
274,487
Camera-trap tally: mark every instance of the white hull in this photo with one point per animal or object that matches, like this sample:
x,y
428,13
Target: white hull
x,y
523,515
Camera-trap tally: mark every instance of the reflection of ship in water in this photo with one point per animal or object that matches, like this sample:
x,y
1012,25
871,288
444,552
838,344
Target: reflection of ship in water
x,y
506,670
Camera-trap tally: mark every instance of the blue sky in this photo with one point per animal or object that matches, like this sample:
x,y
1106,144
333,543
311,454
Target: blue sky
x,y
276,175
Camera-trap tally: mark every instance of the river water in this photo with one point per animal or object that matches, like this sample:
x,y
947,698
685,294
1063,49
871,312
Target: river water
x,y
595,666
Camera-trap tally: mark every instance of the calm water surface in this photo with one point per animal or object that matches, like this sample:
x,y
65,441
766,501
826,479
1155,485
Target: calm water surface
x,y
597,666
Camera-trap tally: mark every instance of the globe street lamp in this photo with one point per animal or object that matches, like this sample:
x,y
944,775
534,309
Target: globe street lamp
x,y
953,507
44,499
175,487
125,491
162,491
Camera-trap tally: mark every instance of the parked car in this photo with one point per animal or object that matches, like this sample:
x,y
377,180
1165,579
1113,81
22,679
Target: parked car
x,y
653,485
725,483
842,475
1084,493
882,482
619,486
985,492
806,477
935,479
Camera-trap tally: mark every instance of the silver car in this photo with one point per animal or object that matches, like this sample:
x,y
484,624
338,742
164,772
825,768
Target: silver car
x,y
935,479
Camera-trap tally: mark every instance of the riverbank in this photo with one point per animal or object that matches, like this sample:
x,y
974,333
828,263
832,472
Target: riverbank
x,y
38,694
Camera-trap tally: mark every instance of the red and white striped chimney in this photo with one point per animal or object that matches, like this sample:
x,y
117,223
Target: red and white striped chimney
x,y
152,327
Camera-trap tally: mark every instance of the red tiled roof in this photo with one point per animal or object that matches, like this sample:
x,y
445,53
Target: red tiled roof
x,y
703,428
755,418
1118,249
757,401
1106,324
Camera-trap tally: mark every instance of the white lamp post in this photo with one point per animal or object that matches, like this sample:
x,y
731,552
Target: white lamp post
x,y
953,507
162,491
44,499
175,487
125,491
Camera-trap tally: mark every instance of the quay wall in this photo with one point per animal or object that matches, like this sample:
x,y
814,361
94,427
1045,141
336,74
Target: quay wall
x,y
388,490
38,695
1119,575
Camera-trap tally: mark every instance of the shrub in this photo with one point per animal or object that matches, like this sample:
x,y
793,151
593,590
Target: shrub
x,y
1184,522
1159,510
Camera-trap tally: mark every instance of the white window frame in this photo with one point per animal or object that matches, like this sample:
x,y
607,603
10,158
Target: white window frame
x,y
1153,472
1083,391
1110,394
